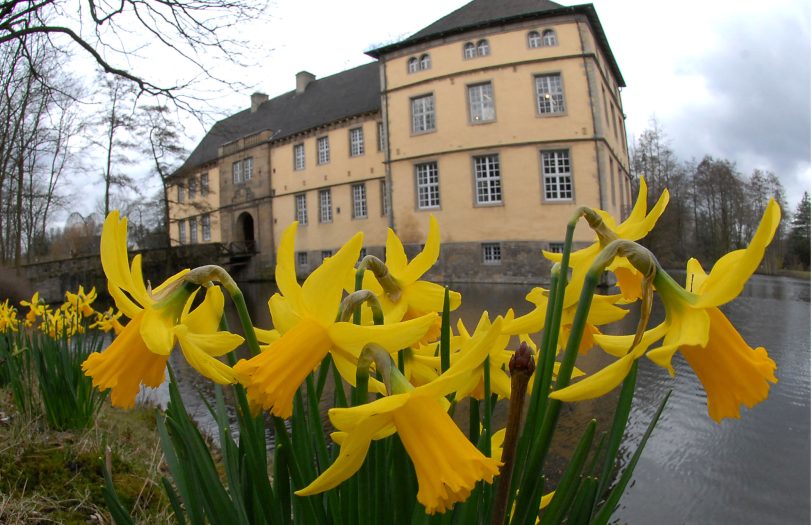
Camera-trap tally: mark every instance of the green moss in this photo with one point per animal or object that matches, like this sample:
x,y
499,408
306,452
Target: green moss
x,y
58,476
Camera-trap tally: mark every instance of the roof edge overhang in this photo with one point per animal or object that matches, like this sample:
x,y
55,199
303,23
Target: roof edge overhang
x,y
587,10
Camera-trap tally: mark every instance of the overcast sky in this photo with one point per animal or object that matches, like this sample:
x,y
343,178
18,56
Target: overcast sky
x,y
729,79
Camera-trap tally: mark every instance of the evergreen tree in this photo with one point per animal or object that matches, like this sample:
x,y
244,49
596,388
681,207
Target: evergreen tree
x,y
799,236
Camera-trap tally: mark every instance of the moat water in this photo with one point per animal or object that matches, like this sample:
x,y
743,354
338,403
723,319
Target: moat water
x,y
693,471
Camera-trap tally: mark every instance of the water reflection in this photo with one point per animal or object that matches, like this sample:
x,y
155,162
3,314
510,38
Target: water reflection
x,y
693,471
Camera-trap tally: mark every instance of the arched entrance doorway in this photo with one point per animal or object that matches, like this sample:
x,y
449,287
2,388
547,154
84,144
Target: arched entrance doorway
x,y
244,234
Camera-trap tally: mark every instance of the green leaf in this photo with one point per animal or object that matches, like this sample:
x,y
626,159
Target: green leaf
x,y
614,497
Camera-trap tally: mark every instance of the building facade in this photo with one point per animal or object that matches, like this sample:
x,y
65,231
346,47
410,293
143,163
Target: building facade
x,y
500,119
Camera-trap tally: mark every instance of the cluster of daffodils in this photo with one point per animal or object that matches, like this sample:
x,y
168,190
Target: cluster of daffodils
x,y
372,313
74,316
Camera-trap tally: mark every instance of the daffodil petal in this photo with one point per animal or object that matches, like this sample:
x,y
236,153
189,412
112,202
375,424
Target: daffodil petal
x,y
395,254
205,319
200,349
425,296
347,419
282,314
353,451
123,302
113,249
352,338
156,330
322,289
599,383
424,260
285,272
730,273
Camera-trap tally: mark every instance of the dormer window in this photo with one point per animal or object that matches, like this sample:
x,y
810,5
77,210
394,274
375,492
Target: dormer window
x,y
425,62
533,39
548,38
469,50
483,48
414,65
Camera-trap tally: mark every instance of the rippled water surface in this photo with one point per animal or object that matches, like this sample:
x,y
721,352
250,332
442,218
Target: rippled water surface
x,y
755,470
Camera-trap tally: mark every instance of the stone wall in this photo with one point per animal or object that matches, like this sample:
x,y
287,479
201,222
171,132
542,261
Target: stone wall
x,y
53,278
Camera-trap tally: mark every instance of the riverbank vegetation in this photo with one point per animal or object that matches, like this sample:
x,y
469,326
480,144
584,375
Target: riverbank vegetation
x,y
715,208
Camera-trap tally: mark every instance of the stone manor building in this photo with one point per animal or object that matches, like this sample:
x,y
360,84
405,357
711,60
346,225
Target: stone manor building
x,y
500,119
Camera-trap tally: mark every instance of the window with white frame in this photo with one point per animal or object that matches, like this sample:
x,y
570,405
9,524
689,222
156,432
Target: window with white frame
x,y
555,247
205,226
428,185
301,258
533,39
423,114
356,142
325,254
193,231
300,208
480,102
323,148
548,38
549,94
192,188
483,48
413,65
182,231
557,175
488,179
384,198
380,136
181,193
425,61
236,172
298,157
469,50
248,169
325,206
359,201
204,185
491,253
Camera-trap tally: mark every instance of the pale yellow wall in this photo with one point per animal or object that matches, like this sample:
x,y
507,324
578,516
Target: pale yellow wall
x,y
339,174
516,114
523,215
196,207
505,48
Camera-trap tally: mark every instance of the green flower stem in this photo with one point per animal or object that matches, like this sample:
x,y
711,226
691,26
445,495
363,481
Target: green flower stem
x,y
356,299
473,420
204,275
445,335
390,285
539,448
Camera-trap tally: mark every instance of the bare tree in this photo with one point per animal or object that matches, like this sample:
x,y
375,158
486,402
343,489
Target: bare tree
x,y
111,32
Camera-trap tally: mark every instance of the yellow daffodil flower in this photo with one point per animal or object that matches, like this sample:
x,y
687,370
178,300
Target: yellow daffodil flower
x,y
107,321
413,297
604,310
448,466
639,223
731,372
159,317
81,301
305,315
8,318
498,359
36,309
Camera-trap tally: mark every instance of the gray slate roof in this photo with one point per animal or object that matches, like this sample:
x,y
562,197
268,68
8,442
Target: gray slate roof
x,y
329,99
480,14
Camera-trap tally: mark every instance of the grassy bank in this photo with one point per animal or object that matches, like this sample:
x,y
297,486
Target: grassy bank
x,y
56,477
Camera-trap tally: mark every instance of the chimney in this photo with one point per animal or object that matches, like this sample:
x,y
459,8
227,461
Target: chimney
x,y
257,99
303,78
